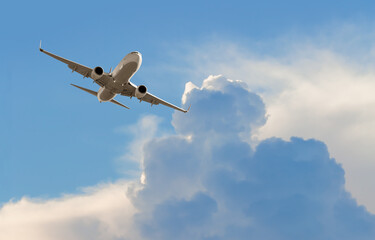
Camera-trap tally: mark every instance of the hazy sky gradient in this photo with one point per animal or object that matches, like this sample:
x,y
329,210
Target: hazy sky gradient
x,y
55,140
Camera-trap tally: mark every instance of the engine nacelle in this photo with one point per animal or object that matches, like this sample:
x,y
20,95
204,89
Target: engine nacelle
x,y
141,91
97,73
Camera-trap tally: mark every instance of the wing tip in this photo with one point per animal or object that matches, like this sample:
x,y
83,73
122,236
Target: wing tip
x,y
186,111
40,46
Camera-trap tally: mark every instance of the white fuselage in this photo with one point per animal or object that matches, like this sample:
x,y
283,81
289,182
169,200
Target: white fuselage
x,y
121,75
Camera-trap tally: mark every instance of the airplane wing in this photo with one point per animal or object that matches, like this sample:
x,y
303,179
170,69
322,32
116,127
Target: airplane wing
x,y
155,101
76,67
130,90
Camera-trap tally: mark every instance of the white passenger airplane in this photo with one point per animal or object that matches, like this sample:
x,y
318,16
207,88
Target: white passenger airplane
x,y
115,82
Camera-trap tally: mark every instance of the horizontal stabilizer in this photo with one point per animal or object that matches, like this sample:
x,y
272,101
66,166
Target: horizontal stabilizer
x,y
95,94
118,103
86,90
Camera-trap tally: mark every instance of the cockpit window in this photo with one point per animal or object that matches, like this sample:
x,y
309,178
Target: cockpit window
x,y
135,52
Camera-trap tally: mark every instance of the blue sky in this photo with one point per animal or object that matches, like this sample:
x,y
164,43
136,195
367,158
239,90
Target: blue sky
x,y
56,139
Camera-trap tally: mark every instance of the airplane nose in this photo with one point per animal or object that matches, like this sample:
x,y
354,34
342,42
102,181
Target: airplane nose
x,y
137,57
136,52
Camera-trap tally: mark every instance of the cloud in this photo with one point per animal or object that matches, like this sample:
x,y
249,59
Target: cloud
x,y
207,182
234,113
213,185
319,87
141,132
101,212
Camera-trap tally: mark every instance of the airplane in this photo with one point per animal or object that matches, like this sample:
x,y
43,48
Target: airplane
x,y
116,81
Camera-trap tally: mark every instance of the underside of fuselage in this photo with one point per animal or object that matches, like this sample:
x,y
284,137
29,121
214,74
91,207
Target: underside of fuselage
x,y
105,95
121,75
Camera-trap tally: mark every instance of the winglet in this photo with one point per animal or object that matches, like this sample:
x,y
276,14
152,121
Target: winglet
x,y
188,109
40,46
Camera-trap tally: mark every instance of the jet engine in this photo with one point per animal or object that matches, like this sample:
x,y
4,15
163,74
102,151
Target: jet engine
x,y
97,73
141,91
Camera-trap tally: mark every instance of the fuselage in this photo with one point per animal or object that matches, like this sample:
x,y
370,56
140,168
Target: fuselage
x,y
120,76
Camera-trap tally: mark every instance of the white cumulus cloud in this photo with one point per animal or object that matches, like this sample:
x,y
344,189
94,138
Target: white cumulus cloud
x,y
215,186
101,212
312,90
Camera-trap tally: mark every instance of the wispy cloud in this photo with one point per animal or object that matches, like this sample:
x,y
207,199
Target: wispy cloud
x,y
144,130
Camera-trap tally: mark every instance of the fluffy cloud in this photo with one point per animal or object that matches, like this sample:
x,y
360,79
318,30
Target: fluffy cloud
x,y
213,185
207,182
141,132
313,88
101,212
